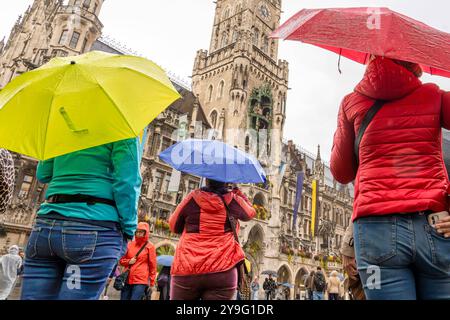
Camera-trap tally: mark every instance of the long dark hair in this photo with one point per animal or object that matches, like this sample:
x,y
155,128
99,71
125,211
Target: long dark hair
x,y
216,186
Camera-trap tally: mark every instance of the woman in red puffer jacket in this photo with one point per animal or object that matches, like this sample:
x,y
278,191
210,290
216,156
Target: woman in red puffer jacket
x,y
142,268
400,180
205,261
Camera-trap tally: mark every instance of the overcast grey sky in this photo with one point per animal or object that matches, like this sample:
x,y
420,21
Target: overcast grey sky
x,y
171,31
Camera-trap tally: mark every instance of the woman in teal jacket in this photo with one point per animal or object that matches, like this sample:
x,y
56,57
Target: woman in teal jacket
x,y
81,229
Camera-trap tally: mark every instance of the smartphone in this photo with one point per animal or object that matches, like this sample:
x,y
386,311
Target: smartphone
x,y
434,218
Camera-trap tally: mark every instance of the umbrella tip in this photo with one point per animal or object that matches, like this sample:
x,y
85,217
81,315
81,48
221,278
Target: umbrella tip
x,y
72,62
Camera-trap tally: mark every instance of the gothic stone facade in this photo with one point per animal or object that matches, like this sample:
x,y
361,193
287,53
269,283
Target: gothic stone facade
x,y
239,84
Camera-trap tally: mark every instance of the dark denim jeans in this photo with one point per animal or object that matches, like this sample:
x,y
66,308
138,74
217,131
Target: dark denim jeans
x,y
133,292
69,260
401,257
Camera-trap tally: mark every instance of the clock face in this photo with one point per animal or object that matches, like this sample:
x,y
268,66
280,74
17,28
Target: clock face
x,y
264,11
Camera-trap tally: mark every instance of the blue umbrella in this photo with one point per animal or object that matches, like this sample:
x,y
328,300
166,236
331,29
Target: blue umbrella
x,y
270,272
214,160
165,261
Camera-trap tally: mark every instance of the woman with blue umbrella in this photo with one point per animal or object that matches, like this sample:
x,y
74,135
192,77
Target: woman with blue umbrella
x,y
209,255
163,279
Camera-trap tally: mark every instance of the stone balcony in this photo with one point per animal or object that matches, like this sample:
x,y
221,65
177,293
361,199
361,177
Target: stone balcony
x,y
86,14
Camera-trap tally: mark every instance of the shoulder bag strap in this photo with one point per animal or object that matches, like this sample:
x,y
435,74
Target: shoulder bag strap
x,y
365,123
140,250
230,218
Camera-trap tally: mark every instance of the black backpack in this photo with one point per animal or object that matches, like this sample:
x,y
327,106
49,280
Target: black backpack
x,y
319,282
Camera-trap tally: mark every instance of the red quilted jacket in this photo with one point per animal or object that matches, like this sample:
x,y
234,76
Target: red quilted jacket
x,y
401,166
207,243
143,271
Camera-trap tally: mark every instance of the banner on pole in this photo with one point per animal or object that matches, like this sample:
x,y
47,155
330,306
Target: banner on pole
x,y
315,209
183,134
298,197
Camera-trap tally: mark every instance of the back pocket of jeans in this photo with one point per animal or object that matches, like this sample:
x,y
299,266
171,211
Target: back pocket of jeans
x,y
440,247
78,246
31,249
377,238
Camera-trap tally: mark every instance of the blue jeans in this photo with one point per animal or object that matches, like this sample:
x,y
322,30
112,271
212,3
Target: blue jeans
x,y
133,292
400,257
69,260
317,295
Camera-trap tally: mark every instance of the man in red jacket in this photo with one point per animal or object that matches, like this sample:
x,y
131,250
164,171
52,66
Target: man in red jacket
x,y
400,179
142,266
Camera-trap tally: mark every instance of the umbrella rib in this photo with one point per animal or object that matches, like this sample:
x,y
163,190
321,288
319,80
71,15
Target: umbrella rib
x,y
25,86
50,111
113,102
151,78
143,74
116,106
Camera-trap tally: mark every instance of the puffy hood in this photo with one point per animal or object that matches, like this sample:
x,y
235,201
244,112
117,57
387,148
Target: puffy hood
x,y
386,80
208,201
143,226
13,250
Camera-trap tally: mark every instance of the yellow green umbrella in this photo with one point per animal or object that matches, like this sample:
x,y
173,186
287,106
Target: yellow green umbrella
x,y
75,103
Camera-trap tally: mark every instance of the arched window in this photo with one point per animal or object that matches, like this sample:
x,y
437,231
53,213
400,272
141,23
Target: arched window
x,y
210,91
213,118
265,44
74,40
226,13
224,39
255,37
220,91
63,37
285,195
247,144
235,35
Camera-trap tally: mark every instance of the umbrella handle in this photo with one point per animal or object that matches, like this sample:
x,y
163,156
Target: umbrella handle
x,y
69,122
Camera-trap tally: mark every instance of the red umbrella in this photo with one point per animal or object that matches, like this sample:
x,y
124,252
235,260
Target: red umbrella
x,y
356,33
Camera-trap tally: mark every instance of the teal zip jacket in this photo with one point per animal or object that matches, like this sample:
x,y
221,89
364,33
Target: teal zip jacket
x,y
110,171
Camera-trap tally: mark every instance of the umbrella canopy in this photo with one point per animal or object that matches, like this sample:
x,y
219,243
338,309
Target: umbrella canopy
x,y
165,261
270,272
356,33
214,160
75,103
287,285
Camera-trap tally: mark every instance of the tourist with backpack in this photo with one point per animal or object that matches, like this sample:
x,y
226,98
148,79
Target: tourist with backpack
x,y
269,287
319,285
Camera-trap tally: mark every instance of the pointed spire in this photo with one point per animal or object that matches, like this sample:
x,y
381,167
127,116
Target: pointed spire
x,y
18,20
318,158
